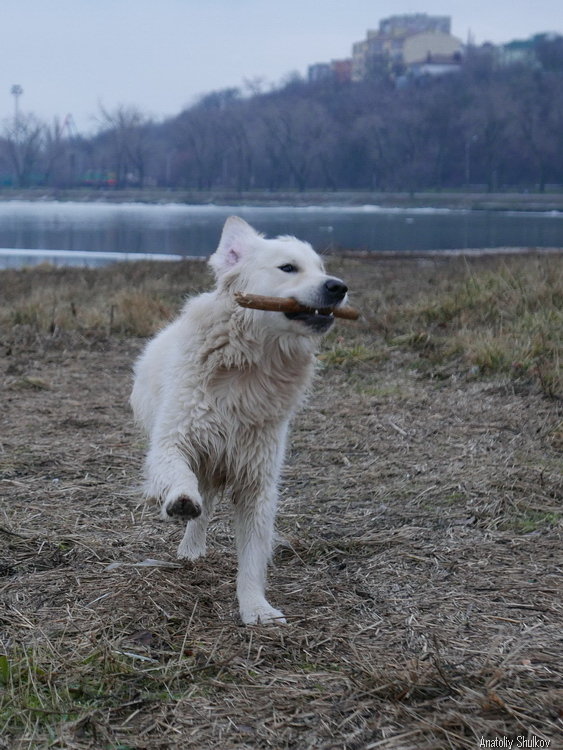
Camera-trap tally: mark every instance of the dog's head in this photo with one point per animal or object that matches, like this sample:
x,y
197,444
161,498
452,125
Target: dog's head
x,y
245,261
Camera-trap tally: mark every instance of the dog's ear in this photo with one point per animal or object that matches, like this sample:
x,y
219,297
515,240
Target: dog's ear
x,y
236,241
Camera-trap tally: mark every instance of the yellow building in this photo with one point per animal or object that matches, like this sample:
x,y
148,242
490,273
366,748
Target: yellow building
x,y
430,47
403,41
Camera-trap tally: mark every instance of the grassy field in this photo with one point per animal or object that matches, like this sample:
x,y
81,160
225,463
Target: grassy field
x,y
419,560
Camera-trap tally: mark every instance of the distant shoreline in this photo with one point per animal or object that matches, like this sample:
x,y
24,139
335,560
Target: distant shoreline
x,y
91,259
478,201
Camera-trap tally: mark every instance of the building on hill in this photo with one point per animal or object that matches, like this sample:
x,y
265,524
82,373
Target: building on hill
x,y
416,44
336,70
319,72
402,42
518,52
342,70
540,51
414,23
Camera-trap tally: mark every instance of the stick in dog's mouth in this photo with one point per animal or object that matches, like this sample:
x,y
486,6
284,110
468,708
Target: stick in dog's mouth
x,y
290,305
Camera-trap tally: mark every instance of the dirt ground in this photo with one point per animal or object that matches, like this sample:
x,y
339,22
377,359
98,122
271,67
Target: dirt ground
x,y
419,565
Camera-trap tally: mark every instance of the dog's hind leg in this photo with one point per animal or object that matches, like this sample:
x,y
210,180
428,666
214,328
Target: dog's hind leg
x,y
254,530
193,544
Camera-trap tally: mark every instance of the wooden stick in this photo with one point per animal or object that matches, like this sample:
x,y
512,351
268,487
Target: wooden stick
x,y
290,305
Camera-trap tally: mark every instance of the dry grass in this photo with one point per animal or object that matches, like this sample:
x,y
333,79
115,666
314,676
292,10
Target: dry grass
x,y
420,523
507,320
122,299
487,317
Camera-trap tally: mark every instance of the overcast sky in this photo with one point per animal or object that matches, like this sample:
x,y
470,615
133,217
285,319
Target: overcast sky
x,y
70,56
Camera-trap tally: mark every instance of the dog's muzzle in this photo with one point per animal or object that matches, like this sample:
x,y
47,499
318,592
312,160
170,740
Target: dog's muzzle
x,y
319,316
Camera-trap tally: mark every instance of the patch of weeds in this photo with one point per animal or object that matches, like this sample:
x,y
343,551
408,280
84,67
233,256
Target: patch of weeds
x,y
41,685
349,356
8,468
384,391
130,299
307,667
138,314
421,340
490,357
507,321
556,437
453,499
32,383
532,520
28,315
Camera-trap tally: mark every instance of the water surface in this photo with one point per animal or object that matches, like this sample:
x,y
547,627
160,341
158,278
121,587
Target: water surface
x,y
180,230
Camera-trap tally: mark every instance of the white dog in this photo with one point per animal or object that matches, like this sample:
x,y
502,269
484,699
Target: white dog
x,y
216,389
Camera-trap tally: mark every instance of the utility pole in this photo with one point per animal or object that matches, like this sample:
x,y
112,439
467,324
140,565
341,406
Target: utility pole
x,y
16,92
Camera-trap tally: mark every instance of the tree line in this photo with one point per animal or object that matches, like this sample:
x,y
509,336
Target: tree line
x,y
483,126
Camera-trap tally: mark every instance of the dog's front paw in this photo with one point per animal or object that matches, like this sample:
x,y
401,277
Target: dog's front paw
x,y
261,614
181,507
190,550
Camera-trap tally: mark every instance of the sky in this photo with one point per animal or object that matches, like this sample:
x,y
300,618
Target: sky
x,y
75,56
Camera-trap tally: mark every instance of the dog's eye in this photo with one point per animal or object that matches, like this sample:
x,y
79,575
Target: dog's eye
x,y
288,268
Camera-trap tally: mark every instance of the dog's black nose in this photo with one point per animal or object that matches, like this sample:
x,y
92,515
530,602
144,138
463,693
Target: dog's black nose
x,y
335,290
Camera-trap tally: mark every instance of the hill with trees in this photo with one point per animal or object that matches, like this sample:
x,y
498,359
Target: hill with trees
x,y
486,126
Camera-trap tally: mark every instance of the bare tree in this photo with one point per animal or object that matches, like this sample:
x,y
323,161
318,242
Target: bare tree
x,y
539,122
23,141
201,136
55,152
297,137
488,122
126,133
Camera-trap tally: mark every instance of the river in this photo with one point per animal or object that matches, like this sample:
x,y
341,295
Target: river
x,y
96,233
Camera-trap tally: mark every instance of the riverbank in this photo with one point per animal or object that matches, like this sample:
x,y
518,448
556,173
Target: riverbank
x,y
552,201
420,520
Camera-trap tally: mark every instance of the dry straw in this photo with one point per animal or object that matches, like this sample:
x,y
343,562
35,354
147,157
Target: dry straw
x,y
420,528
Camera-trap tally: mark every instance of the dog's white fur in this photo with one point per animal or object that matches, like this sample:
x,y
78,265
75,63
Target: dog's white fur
x,y
215,391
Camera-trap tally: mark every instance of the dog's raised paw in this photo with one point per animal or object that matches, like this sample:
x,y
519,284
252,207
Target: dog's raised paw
x,y
183,507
